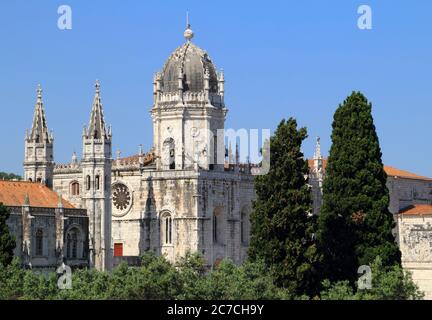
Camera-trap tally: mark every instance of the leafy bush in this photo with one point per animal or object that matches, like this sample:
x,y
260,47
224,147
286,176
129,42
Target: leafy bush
x,y
190,279
387,284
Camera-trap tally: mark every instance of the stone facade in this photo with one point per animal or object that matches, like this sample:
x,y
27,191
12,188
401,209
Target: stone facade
x,y
180,196
415,243
46,234
186,193
39,157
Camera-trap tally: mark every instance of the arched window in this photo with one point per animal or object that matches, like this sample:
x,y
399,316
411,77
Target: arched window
x,y
75,188
218,226
88,182
73,245
39,180
166,228
97,182
169,154
245,226
39,242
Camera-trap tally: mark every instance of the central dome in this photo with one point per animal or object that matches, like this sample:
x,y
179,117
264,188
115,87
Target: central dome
x,y
191,63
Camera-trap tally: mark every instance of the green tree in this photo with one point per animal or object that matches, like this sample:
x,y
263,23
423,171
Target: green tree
x,y
387,284
7,241
250,281
355,225
11,280
282,228
9,176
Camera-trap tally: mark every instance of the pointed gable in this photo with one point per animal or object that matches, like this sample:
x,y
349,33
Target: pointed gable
x,y
39,131
96,128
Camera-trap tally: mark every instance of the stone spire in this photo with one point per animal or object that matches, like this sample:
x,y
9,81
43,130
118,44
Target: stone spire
x,y
237,155
26,200
74,158
230,154
316,177
96,128
38,146
317,154
96,163
39,131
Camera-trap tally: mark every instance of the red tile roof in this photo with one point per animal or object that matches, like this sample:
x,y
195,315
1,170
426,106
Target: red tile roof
x,y
393,172
417,209
390,171
13,193
134,159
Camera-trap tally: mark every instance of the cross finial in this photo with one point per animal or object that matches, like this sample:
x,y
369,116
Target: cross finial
x,y
188,34
97,86
39,91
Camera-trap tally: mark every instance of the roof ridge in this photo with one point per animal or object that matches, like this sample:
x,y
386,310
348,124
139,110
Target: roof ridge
x,y
22,181
400,172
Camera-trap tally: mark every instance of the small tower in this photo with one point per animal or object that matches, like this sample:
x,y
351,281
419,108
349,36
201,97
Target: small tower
x,y
317,155
316,177
38,153
188,111
96,169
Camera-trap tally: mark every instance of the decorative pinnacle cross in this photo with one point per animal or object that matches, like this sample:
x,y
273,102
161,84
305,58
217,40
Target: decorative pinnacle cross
x,y
188,34
39,91
97,85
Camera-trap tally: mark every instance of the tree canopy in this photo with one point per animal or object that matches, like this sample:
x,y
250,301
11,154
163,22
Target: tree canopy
x,y
355,224
282,228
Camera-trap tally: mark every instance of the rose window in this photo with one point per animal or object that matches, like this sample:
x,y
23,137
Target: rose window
x,y
121,197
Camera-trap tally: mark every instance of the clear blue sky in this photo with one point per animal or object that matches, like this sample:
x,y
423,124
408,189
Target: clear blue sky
x,y
281,59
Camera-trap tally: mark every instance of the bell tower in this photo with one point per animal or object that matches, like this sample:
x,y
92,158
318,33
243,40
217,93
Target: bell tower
x,y
189,110
38,153
96,170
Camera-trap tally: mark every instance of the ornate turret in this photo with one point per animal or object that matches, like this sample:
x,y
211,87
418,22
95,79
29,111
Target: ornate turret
x,y
316,177
39,160
96,170
188,109
96,128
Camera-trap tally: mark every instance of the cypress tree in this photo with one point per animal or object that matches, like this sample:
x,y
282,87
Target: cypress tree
x,y
282,228
355,224
7,241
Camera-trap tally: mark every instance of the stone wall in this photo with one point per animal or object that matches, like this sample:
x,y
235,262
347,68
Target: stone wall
x,y
406,192
415,242
53,224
